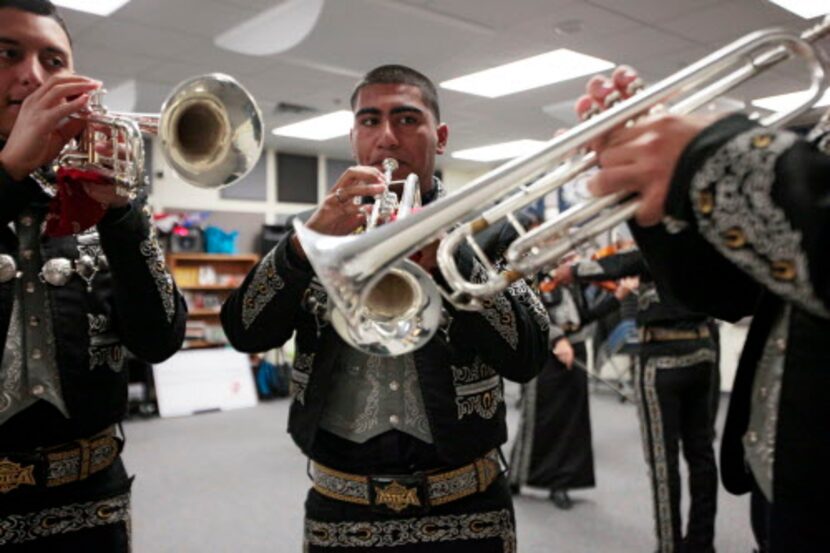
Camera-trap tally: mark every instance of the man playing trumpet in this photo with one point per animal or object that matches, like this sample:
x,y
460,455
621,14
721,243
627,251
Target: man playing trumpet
x,y
70,302
404,449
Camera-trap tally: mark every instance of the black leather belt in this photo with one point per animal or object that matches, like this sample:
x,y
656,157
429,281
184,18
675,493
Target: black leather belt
x,y
62,464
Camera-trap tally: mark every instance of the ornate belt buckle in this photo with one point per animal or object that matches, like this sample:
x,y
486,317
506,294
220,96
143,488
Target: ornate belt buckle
x,y
14,475
399,493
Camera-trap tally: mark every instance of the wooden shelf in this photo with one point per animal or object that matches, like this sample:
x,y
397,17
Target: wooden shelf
x,y
202,344
188,269
209,287
251,258
204,312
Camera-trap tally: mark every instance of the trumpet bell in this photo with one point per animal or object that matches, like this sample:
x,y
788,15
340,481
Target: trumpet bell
x,y
211,131
390,311
399,314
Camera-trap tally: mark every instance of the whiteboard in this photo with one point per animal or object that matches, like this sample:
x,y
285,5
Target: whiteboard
x,y
202,380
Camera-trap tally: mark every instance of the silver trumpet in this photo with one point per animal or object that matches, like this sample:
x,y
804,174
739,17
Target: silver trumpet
x,y
355,265
545,245
401,310
210,129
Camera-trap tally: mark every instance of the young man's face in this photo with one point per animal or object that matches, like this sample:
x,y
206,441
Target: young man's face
x,y
32,49
392,120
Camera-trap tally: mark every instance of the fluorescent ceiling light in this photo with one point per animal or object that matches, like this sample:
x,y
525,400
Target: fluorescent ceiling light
x,y
807,9
788,101
544,69
495,152
97,7
324,127
275,30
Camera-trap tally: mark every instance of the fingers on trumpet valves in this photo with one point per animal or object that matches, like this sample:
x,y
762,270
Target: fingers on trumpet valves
x,y
627,81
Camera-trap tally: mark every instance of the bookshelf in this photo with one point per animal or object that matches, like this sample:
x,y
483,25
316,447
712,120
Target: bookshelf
x,y
205,280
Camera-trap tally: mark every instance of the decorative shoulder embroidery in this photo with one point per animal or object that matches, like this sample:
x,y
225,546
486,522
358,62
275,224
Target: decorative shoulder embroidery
x,y
154,257
478,389
735,212
262,289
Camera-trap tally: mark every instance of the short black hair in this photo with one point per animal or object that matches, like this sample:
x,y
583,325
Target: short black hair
x,y
38,7
400,74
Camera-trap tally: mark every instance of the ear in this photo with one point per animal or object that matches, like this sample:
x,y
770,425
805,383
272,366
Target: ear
x,y
443,132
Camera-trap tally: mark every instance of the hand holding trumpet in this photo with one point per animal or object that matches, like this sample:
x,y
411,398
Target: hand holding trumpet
x,y
639,158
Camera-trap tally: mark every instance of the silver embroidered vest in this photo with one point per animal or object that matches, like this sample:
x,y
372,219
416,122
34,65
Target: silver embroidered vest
x,y
29,370
371,395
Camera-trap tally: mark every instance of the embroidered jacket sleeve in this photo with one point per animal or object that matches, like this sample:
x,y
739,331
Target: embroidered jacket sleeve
x,y
262,313
511,332
760,198
150,313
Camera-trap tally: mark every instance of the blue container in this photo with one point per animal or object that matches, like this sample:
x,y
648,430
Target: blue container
x,y
219,241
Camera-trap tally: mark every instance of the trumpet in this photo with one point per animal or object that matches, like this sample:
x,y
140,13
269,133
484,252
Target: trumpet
x,y
401,311
357,264
210,129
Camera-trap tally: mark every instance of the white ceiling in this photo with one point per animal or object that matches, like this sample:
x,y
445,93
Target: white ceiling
x,y
161,42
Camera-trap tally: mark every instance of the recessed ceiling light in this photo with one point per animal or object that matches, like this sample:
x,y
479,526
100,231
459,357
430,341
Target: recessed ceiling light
x,y
98,7
804,8
495,152
544,69
784,102
324,127
275,30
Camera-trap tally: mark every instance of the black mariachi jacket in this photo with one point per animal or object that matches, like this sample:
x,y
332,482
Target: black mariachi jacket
x,y
459,370
757,206
133,304
656,307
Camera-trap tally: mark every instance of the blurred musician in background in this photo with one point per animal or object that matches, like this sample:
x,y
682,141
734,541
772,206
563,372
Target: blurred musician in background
x,y
553,447
734,222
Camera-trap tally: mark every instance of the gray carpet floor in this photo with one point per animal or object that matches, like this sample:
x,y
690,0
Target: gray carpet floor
x,y
234,482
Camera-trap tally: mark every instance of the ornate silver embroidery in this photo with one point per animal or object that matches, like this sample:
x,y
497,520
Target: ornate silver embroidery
x,y
64,519
497,310
478,390
528,298
262,289
651,426
414,412
741,175
154,257
368,418
430,529
300,374
104,347
11,370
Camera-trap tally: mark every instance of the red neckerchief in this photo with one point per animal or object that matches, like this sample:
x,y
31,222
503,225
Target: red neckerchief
x,y
72,210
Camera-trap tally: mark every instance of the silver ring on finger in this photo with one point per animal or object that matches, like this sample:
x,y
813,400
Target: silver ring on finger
x,y
338,194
